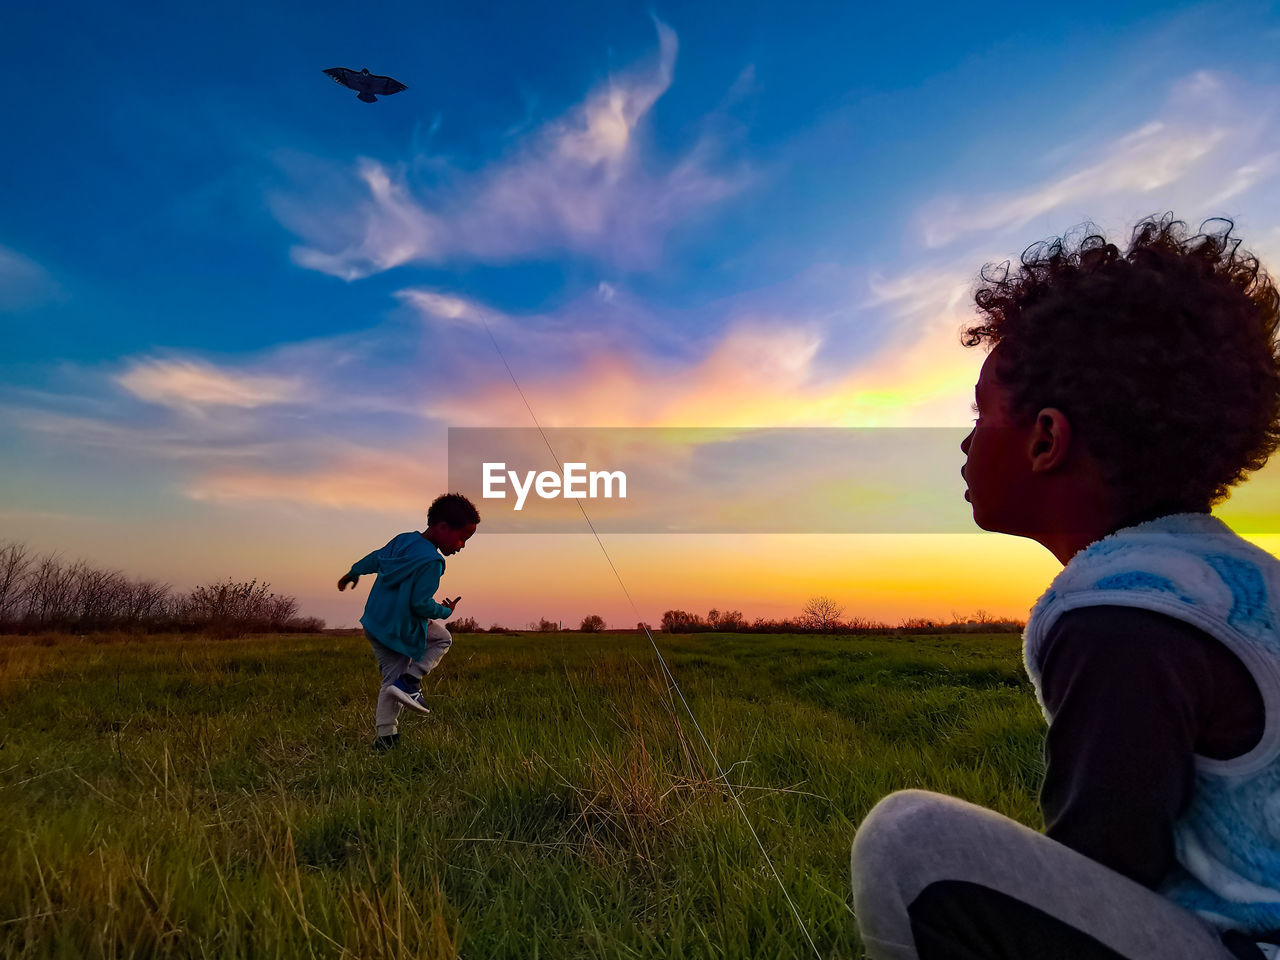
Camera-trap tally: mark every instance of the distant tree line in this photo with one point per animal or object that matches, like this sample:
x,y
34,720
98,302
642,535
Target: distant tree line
x,y
823,615
43,592
472,625
820,615
590,624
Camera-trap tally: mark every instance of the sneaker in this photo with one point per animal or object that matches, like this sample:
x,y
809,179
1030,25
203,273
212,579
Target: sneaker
x,y
408,683
411,700
384,743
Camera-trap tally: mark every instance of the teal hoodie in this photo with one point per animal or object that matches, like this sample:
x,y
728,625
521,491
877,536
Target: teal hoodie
x,y
403,597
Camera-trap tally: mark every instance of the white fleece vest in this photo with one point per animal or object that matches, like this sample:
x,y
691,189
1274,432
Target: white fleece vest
x,y
1194,567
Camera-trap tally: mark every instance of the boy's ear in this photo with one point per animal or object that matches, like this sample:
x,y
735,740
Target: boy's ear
x,y
1050,440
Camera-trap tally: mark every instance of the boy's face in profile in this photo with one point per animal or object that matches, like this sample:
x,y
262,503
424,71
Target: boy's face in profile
x,y
997,464
449,540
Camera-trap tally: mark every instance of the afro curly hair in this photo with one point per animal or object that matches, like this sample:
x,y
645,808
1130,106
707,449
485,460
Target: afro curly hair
x,y
453,509
1164,357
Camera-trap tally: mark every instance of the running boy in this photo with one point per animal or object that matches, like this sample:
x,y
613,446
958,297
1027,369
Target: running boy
x,y
401,617
1124,394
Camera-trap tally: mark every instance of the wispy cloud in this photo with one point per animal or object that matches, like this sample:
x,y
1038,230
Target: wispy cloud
x,y
1205,147
448,307
1246,177
193,386
371,480
759,371
134,440
581,183
554,342
24,284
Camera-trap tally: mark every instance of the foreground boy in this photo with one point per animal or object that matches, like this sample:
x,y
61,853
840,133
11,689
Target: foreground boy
x,y
401,617
1125,393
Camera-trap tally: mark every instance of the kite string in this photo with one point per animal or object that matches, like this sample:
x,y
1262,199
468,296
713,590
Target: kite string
x,y
720,773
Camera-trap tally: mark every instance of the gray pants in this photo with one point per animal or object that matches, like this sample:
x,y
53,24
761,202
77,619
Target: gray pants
x,y
914,839
393,664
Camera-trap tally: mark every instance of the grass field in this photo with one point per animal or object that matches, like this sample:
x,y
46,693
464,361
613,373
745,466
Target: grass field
x,y
191,798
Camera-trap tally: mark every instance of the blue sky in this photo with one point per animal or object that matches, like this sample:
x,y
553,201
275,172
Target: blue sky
x,y
241,307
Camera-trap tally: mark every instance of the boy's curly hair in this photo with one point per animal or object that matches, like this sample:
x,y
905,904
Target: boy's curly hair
x,y
1164,357
454,509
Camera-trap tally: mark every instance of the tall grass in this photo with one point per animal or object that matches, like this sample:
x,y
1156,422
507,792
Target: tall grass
x,y
177,798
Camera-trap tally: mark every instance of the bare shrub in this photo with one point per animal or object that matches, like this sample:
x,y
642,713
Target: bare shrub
x,y
146,600
679,621
44,593
728,620
15,562
232,608
821,614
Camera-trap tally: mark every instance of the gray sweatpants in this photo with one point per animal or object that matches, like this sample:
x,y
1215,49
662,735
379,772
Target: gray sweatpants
x,y
393,664
913,839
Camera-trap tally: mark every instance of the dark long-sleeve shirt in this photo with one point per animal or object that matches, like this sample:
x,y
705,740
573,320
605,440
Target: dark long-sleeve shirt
x,y
1134,695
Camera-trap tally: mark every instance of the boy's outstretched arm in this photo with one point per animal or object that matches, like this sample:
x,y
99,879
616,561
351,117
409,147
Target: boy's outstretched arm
x,y
425,584
367,564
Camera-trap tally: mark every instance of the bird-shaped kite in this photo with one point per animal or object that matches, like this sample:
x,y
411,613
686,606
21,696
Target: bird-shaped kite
x,y
369,85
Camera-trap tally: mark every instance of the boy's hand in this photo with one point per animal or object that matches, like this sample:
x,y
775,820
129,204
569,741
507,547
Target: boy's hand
x,y
346,579
446,602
